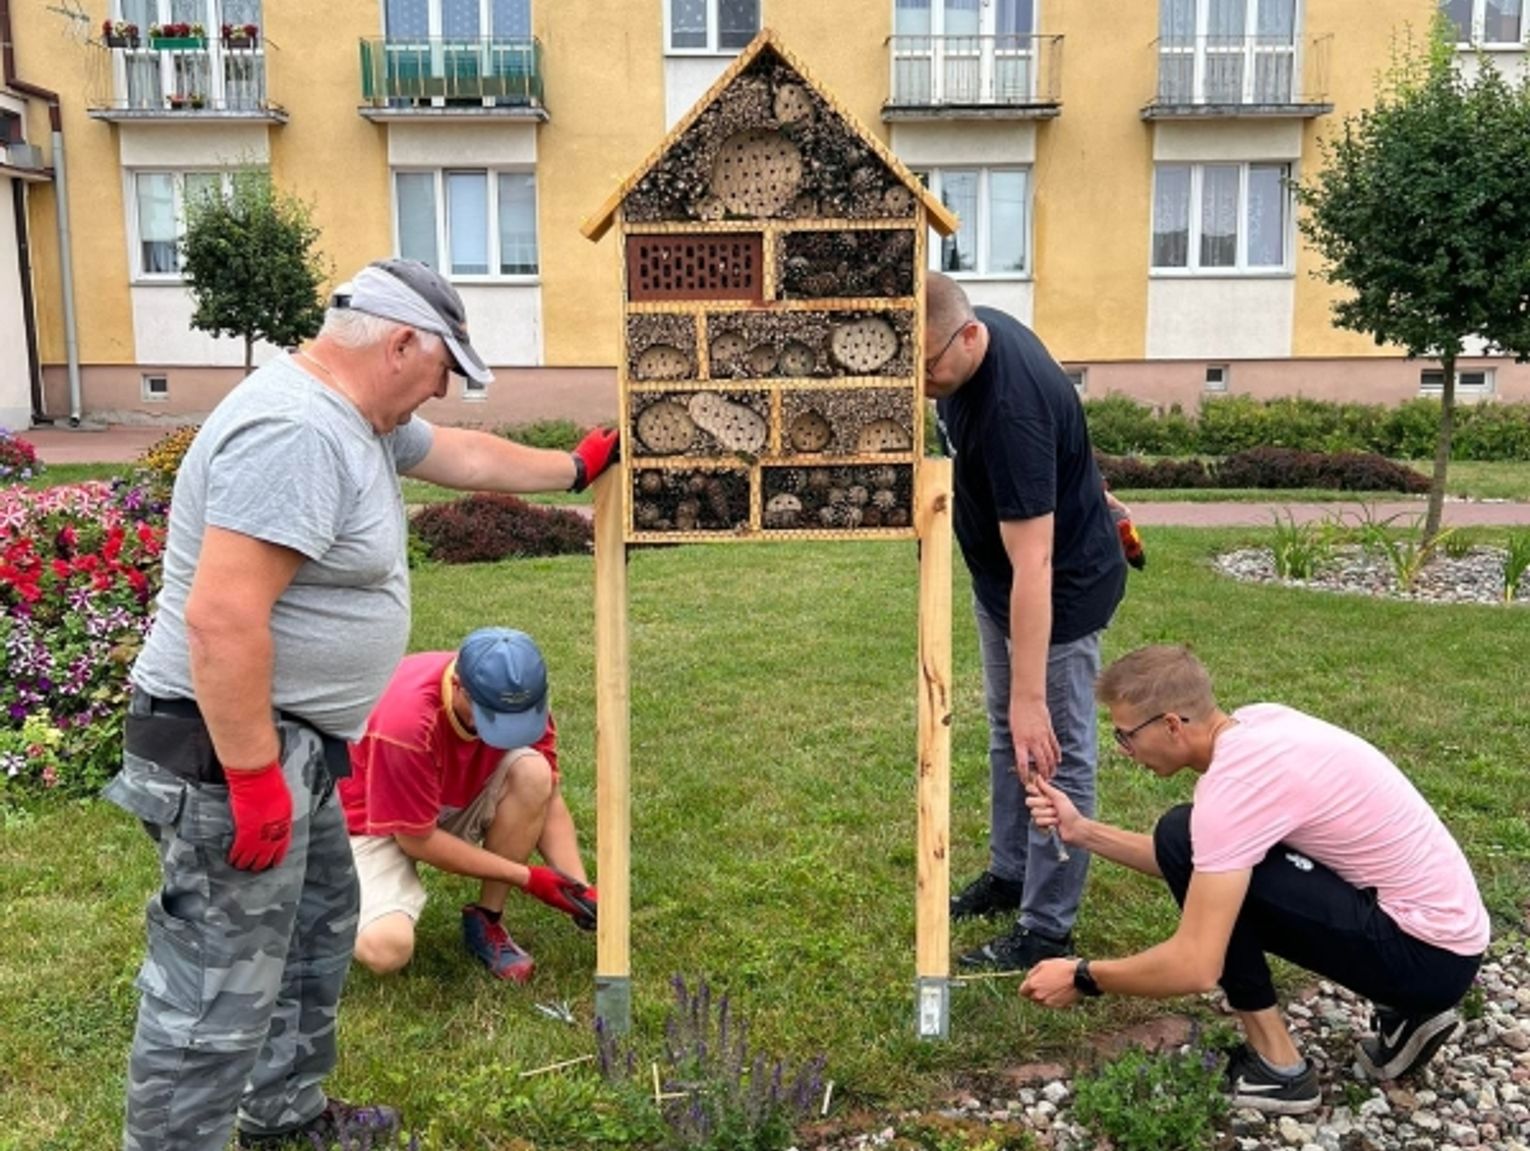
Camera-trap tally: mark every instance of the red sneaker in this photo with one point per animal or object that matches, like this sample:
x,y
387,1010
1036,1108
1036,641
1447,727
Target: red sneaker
x,y
492,944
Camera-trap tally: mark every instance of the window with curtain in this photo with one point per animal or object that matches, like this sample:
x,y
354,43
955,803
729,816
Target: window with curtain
x,y
1502,21
992,206
242,12
712,25
460,20
737,23
1221,217
407,19
911,18
511,19
1015,18
468,222
162,204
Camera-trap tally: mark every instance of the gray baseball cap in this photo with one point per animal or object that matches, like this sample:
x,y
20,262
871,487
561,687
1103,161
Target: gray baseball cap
x,y
412,293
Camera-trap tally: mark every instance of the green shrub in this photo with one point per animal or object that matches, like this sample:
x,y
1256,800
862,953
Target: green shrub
x,y
1492,432
561,435
1143,1102
1119,425
1411,429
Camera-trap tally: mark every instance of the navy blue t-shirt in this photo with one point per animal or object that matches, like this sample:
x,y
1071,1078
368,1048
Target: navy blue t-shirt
x,y
1020,449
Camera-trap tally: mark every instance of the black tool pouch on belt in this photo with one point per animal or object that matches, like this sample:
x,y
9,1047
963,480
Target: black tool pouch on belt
x,y
178,744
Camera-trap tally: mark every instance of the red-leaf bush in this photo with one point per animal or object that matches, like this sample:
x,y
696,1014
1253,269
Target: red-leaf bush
x,y
1289,468
485,527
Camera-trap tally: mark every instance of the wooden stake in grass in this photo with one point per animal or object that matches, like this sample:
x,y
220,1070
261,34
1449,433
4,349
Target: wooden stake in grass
x,y
556,1066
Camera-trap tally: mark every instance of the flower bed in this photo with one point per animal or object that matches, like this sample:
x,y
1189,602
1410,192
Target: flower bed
x,y
79,567
18,458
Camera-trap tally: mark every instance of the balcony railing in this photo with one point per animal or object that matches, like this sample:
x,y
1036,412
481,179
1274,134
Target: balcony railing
x,y
144,82
974,75
1240,75
435,73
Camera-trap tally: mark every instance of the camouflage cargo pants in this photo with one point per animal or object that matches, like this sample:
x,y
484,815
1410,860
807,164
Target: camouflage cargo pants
x,y
243,975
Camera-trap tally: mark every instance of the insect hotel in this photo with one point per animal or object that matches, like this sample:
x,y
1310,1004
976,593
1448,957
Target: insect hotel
x,y
772,255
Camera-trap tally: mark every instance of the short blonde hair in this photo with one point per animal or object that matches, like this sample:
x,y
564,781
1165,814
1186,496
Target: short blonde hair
x,y
946,306
1160,678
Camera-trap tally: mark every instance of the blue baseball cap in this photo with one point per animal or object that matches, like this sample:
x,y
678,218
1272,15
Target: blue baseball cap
x,y
505,677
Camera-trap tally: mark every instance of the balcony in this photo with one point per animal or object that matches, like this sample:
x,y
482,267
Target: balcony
x,y
451,79
974,77
1254,76
208,82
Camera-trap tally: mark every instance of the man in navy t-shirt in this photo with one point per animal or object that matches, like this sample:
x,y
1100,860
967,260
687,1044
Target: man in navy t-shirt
x,y
1047,573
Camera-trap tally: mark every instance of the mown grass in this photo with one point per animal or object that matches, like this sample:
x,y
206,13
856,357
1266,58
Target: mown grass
x,y
773,838
1467,479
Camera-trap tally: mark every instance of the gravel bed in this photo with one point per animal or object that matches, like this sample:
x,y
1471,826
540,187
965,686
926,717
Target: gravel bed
x,y
1475,1093
1476,577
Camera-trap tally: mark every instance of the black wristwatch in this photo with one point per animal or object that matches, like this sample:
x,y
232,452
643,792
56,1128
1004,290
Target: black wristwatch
x,y
1083,982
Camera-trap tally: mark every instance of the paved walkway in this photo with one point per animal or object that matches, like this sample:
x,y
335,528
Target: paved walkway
x,y
122,443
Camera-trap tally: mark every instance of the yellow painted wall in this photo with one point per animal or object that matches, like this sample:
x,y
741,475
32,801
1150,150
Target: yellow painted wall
x,y
604,82
1094,183
1361,49
327,154
46,57
843,46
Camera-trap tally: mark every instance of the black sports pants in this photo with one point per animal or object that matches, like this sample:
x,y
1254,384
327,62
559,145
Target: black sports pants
x,y
1303,912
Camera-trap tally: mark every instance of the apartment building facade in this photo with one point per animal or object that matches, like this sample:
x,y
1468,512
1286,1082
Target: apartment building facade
x,y
1119,167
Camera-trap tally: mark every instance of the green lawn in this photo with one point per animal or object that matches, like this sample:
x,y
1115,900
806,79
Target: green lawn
x,y
1467,478
773,694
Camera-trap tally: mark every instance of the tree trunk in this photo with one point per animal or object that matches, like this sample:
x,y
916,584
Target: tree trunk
x,y
1441,450
249,354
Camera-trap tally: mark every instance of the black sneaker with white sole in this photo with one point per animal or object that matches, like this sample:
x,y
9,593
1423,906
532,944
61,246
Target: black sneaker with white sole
x,y
1404,1043
988,894
1020,950
1252,1083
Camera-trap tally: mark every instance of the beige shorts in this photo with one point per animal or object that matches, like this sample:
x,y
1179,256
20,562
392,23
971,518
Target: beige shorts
x,y
390,880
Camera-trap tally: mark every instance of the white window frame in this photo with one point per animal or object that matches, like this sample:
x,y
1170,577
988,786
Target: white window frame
x,y
1218,377
218,59
1250,48
178,183
711,48
443,239
932,180
943,49
1241,266
435,22
1079,378
150,394
1469,382
1479,26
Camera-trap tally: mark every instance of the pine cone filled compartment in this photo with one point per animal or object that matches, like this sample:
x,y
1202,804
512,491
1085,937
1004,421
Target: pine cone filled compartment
x,y
846,264
690,500
847,421
851,497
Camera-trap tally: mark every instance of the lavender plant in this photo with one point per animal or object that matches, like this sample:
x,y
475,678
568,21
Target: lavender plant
x,y
714,1091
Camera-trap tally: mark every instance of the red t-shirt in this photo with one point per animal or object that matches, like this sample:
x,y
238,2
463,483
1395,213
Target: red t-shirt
x,y
415,762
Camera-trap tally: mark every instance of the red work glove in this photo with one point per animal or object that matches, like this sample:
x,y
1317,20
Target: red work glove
x,y
594,454
563,893
262,812
1131,543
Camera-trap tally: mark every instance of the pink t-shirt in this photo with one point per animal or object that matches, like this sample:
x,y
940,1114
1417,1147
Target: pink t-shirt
x,y
1280,776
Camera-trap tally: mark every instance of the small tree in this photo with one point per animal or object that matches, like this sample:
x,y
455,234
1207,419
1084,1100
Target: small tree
x,y
1423,209
250,262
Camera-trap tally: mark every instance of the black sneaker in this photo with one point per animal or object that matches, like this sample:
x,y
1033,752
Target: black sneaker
x,y
340,1122
988,894
1251,1083
1402,1044
1020,949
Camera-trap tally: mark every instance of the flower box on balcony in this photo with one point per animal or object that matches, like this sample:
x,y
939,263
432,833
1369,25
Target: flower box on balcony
x,y
123,41
241,35
178,43
120,33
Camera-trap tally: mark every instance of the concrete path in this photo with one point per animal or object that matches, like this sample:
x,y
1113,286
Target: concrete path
x,y
122,443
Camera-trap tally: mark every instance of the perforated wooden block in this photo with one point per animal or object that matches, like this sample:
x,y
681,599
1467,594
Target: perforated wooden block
x,y
756,172
679,267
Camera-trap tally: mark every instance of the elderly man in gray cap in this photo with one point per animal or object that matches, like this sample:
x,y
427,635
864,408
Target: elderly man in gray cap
x,y
284,611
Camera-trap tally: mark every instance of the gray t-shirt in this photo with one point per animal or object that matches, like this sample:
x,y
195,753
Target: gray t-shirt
x,y
286,460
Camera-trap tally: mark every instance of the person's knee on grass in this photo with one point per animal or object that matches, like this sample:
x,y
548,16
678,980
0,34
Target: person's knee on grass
x,y
387,944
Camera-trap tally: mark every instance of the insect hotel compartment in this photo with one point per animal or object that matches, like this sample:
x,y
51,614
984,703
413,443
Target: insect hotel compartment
x,y
690,500
847,422
768,147
800,345
699,423
846,264
837,498
661,347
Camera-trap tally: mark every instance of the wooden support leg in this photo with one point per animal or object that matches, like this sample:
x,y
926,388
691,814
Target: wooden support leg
x,y
613,796
933,895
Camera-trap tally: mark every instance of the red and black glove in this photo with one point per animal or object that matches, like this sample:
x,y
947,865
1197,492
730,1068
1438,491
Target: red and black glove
x,y
1131,543
563,893
594,454
262,811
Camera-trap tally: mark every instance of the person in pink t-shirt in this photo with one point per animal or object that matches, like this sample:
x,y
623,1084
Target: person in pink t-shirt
x,y
1303,841
458,768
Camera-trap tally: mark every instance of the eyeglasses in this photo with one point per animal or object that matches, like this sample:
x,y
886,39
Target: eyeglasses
x,y
934,361
1124,738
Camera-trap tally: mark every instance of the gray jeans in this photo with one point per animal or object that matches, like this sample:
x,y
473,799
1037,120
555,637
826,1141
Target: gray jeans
x,y
1017,851
244,970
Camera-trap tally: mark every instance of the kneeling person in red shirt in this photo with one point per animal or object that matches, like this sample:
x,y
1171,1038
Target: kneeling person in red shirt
x,y
461,751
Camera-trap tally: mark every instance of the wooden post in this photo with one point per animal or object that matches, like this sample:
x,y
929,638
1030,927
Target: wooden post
x,y
932,938
613,791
